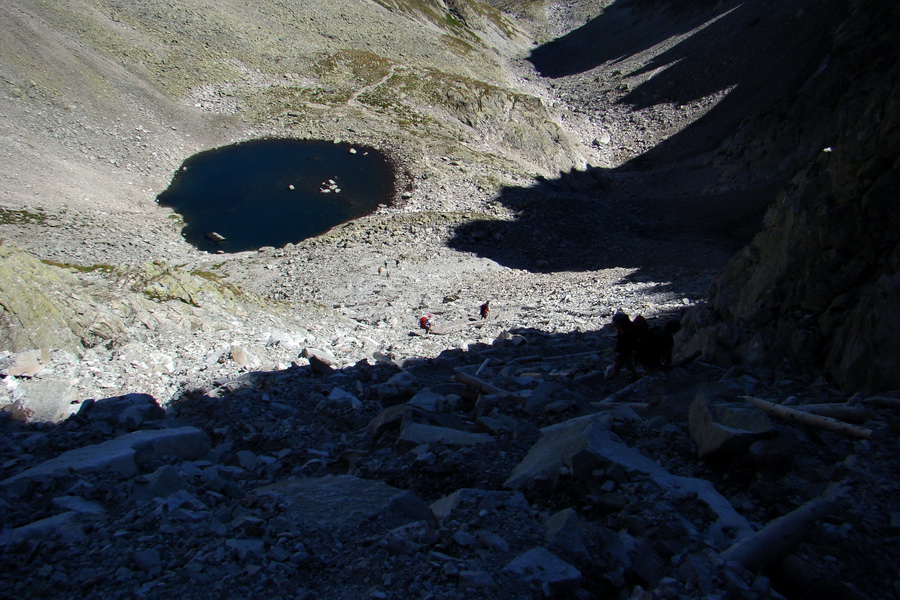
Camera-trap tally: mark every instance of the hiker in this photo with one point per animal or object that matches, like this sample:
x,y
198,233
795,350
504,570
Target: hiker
x,y
628,334
654,349
485,309
425,323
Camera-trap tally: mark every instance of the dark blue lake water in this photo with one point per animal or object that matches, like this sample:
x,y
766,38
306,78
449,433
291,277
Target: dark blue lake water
x,y
274,192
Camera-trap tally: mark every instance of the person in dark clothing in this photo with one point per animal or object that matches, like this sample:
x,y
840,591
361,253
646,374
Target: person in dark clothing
x,y
654,350
628,334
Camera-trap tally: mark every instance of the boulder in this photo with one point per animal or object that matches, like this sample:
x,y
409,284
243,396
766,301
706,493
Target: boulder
x,y
338,398
68,527
398,389
162,483
123,455
338,501
550,397
24,364
130,411
585,447
44,399
393,417
475,501
79,505
565,534
420,433
427,400
726,428
244,357
321,355
319,366
540,566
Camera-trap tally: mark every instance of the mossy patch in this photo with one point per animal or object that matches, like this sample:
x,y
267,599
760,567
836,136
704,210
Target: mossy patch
x,y
22,217
96,268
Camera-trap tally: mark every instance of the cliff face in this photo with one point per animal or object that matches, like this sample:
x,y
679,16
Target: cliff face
x,y
819,286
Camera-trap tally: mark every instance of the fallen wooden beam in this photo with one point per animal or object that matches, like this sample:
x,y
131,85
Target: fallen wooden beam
x,y
529,358
478,384
622,392
612,405
588,375
842,412
883,401
803,418
780,536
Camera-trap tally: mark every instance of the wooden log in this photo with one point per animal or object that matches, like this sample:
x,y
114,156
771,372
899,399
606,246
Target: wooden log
x,y
479,384
842,412
594,353
780,536
486,362
883,401
588,375
803,418
529,358
625,390
612,405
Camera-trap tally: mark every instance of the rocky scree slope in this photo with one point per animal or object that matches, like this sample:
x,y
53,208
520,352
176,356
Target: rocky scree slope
x,y
400,480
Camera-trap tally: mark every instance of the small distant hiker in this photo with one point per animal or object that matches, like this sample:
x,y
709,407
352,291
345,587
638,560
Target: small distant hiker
x,y
485,309
425,323
628,334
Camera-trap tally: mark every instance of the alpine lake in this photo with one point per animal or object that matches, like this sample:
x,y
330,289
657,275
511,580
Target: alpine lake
x,y
272,192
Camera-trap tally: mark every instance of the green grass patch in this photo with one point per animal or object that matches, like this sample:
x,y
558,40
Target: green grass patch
x,y
96,268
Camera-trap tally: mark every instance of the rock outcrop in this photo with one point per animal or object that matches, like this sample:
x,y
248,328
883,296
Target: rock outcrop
x,y
819,286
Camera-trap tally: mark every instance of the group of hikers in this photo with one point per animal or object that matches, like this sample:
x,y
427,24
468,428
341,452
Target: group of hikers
x,y
426,323
637,342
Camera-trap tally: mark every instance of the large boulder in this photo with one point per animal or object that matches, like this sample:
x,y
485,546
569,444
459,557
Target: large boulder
x,y
41,399
541,567
122,455
726,427
336,501
130,411
585,448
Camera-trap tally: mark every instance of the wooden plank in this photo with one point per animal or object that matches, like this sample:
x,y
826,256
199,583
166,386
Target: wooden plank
x,y
883,401
479,384
820,422
780,536
842,412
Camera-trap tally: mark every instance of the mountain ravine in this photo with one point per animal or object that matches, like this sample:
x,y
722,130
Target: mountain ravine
x,y
177,421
